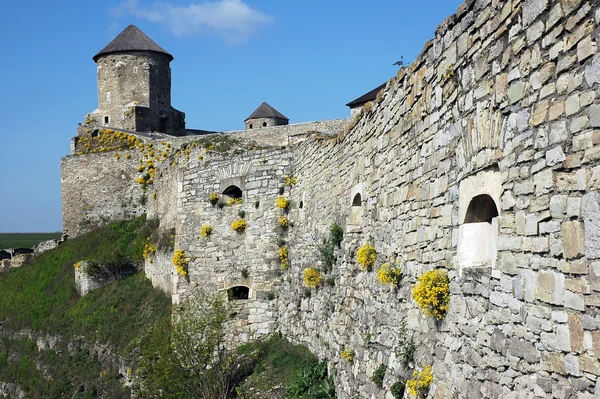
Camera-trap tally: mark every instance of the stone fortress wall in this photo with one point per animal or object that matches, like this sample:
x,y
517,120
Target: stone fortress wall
x,y
503,102
481,158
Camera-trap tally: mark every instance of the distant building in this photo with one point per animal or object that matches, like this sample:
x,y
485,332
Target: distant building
x,y
264,116
357,104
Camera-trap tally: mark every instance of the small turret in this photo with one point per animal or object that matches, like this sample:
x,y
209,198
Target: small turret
x,y
134,86
264,116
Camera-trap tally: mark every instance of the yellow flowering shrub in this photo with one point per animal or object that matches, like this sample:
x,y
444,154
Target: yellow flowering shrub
x,y
283,257
432,293
180,262
213,198
418,386
312,277
206,230
284,222
149,250
390,273
347,354
239,225
235,201
289,180
366,256
282,202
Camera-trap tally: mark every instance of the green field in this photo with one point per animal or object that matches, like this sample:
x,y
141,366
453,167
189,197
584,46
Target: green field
x,y
25,240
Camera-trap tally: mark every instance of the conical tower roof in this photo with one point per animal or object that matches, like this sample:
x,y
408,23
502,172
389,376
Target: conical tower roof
x,y
131,39
264,110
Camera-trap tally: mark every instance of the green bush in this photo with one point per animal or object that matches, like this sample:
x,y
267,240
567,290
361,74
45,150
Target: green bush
x,y
397,389
379,375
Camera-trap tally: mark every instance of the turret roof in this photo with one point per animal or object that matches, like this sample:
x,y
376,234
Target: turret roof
x,y
131,39
264,110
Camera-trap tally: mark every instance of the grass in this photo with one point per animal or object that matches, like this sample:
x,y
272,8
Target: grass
x,y
25,240
40,297
292,368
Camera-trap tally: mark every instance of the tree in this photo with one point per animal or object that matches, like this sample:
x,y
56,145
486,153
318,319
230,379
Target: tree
x,y
185,357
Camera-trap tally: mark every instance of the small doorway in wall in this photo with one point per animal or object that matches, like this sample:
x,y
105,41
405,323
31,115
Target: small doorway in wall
x,y
237,293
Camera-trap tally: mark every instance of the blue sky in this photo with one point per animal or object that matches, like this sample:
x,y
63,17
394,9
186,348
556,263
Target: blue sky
x,y
305,58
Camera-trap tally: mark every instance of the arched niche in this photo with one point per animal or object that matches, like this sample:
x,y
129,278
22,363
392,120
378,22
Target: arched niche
x,y
357,200
355,216
482,208
479,197
238,293
232,192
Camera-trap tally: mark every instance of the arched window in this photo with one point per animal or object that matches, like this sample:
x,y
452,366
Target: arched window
x,y
301,204
264,124
482,208
357,201
232,192
250,126
478,235
239,292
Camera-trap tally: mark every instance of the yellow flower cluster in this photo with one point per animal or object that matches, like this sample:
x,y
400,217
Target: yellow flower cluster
x,y
282,202
108,140
347,354
366,256
312,277
432,293
419,385
180,262
449,72
239,225
149,250
284,222
206,230
289,180
283,257
213,198
77,265
235,201
390,273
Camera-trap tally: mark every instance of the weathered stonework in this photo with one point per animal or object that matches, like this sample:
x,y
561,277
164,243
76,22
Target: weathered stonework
x,y
519,103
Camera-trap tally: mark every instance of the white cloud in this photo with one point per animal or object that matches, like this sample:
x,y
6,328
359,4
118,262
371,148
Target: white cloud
x,y
233,20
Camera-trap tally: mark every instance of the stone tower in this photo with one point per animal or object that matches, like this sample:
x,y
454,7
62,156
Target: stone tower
x,y
264,116
134,86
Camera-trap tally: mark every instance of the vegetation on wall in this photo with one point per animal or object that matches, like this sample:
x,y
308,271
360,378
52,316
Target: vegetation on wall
x,y
432,293
366,256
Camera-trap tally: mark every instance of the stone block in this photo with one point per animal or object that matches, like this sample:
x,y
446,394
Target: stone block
x,y
543,182
555,156
590,212
572,104
572,239
532,9
572,365
540,110
558,206
524,350
594,115
594,276
550,287
589,364
575,333
553,362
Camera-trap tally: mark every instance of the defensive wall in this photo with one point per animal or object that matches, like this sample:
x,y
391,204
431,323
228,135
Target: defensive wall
x,y
480,159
